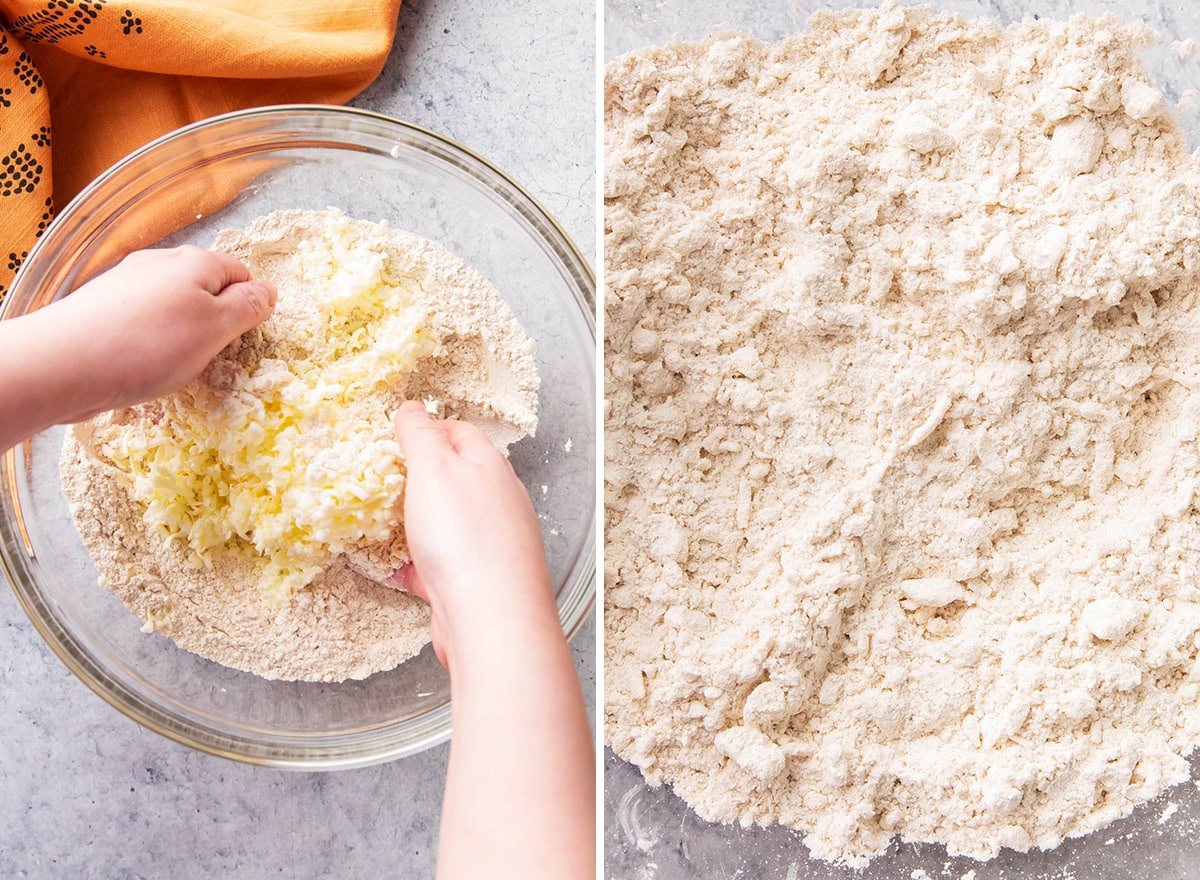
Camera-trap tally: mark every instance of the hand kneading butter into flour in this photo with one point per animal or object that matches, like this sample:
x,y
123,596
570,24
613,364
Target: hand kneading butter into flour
x,y
253,515
903,377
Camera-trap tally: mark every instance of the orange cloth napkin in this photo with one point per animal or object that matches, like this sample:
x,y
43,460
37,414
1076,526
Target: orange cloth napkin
x,y
83,82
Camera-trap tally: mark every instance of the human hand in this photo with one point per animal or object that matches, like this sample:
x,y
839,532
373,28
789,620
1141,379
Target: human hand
x,y
152,323
476,547
522,761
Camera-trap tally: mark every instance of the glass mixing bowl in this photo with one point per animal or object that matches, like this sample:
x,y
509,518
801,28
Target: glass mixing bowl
x,y
649,832
224,172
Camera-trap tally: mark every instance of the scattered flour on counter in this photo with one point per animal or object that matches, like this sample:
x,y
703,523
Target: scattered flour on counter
x,y
903,394
251,515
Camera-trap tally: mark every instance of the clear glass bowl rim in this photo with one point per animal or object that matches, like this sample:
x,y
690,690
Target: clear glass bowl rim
x,y
342,751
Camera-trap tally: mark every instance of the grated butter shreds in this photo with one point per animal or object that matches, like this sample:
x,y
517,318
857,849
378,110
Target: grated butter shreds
x,y
233,467
344,624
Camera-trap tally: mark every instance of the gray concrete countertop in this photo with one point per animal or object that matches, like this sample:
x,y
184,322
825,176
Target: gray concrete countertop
x,y
85,792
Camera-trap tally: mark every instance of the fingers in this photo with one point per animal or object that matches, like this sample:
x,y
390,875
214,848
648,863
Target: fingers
x,y
420,437
245,305
470,442
212,270
229,270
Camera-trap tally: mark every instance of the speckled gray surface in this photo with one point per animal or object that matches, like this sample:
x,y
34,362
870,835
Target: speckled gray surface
x,y
85,792
650,834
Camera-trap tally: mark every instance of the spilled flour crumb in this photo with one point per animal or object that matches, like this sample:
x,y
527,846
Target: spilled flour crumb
x,y
243,515
903,378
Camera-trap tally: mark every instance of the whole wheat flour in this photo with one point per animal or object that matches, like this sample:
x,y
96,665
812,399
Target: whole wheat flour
x,y
903,387
251,516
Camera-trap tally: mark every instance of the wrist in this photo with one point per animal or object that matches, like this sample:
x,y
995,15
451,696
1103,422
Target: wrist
x,y
36,392
520,592
509,612
56,369
508,609
518,633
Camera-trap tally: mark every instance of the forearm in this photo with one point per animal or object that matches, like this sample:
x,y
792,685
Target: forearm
x,y
39,381
520,791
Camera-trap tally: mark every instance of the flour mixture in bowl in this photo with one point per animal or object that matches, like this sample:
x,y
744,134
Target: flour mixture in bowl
x,y
251,516
903,377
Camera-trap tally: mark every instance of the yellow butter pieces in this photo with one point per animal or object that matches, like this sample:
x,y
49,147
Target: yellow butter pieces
x,y
278,465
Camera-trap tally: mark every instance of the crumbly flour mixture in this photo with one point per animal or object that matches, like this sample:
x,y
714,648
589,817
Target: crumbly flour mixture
x,y
903,384
251,516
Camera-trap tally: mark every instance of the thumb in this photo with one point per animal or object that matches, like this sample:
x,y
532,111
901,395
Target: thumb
x,y
247,304
420,437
